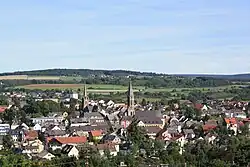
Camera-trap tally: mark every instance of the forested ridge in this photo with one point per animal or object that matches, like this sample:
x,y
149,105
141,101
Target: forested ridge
x,y
91,72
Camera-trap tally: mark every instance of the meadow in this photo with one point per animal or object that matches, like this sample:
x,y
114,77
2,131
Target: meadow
x,y
119,88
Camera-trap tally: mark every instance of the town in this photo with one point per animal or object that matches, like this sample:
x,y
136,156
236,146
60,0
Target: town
x,y
81,128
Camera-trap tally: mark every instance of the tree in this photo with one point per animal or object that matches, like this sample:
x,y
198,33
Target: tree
x,y
7,142
9,116
143,102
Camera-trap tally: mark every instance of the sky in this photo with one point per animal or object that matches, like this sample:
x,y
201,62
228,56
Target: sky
x,y
167,36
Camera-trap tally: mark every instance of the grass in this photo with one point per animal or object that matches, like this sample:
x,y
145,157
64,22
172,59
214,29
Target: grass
x,y
95,88
105,88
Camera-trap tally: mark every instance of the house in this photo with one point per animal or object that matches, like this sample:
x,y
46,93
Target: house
x,y
208,127
112,148
55,133
95,135
84,130
17,135
71,151
37,127
150,121
59,142
232,124
169,134
189,133
43,120
33,147
111,138
150,118
94,115
45,155
30,135
22,126
152,131
4,129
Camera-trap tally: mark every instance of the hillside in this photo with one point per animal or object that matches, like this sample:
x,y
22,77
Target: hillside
x,y
120,73
226,77
81,72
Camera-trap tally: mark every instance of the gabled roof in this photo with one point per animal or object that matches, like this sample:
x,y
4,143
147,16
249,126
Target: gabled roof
x,y
153,129
96,133
208,127
55,133
31,135
69,140
231,120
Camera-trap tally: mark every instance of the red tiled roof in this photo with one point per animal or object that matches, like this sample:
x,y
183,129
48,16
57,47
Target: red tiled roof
x,y
96,133
3,108
31,135
70,140
231,120
208,127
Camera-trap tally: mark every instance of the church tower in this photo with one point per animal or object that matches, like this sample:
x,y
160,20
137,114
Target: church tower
x,y
85,98
131,99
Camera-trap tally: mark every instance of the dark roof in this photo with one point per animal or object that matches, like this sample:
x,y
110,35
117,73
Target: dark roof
x,y
78,120
88,128
93,115
127,118
109,137
188,131
150,120
153,129
139,114
55,133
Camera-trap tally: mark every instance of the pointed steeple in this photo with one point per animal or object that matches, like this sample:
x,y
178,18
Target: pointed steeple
x,y
131,99
85,98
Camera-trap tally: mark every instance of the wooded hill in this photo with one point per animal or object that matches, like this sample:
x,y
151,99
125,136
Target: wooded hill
x,y
120,73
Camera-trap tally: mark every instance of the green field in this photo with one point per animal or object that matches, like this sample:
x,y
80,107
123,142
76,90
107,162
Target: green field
x,y
120,88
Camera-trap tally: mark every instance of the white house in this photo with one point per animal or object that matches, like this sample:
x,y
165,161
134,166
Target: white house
x,y
37,127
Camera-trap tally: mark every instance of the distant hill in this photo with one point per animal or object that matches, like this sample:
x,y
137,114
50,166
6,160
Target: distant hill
x,y
123,73
227,77
81,72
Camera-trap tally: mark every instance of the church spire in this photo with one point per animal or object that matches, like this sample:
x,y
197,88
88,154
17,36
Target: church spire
x,y
85,98
130,98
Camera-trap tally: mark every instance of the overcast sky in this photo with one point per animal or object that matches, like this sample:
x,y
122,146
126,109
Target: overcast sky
x,y
170,36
